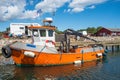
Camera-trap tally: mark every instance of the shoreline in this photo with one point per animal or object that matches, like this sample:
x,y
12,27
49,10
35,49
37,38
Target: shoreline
x,y
102,40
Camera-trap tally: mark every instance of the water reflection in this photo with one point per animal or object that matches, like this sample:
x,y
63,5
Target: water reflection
x,y
112,48
6,72
107,69
44,73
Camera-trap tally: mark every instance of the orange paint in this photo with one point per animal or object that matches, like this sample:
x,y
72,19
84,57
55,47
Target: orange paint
x,y
43,27
44,59
23,57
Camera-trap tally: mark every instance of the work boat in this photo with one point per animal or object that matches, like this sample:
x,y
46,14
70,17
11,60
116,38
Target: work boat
x,y
43,52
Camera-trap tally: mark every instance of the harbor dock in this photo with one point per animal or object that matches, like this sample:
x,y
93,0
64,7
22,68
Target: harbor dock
x,y
105,41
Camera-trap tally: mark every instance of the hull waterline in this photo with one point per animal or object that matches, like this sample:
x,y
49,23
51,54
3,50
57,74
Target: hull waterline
x,y
48,59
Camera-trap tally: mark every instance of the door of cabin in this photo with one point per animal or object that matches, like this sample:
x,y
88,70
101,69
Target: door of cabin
x,y
36,36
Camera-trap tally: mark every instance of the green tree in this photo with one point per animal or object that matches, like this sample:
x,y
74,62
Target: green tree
x,y
98,28
81,30
58,31
1,33
8,29
91,30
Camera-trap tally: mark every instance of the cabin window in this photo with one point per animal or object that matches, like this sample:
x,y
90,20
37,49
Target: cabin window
x,y
50,33
21,27
35,33
43,33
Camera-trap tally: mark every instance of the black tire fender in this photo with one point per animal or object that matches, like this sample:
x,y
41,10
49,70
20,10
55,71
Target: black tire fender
x,y
6,51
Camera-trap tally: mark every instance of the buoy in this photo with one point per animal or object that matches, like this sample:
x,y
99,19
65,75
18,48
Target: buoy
x,y
99,54
29,54
78,62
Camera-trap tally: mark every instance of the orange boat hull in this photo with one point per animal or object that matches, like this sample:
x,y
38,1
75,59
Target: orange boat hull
x,y
47,59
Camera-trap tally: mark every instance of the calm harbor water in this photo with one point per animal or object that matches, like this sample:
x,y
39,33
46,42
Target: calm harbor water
x,y
107,69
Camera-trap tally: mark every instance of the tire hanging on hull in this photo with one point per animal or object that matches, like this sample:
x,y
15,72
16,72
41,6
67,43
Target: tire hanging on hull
x,y
6,51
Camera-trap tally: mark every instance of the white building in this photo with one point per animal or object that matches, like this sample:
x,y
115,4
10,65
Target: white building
x,y
21,28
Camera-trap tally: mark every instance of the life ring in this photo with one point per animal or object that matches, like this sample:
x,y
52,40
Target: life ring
x,y
6,51
47,41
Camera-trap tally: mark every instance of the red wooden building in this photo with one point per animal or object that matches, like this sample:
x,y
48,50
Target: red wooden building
x,y
108,32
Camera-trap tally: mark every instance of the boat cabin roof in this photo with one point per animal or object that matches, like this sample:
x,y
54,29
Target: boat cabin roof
x,y
43,27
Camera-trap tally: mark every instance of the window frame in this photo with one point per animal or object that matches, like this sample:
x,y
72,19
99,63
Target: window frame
x,y
42,34
35,30
50,34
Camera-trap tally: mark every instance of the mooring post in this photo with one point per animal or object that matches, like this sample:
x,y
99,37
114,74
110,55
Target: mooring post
x,y
106,47
112,47
118,47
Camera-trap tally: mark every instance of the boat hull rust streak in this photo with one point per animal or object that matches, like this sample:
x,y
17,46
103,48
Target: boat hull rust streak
x,y
46,59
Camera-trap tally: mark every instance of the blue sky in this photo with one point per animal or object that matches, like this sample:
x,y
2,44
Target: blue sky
x,y
75,14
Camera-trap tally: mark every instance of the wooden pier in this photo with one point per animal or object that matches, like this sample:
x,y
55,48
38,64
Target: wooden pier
x,y
113,45
85,43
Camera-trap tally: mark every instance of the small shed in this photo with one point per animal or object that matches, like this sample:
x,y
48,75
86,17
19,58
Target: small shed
x,y
108,32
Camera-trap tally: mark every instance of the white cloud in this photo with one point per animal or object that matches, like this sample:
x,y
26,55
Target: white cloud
x,y
77,9
50,5
67,10
92,7
80,5
11,12
29,14
16,9
11,9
